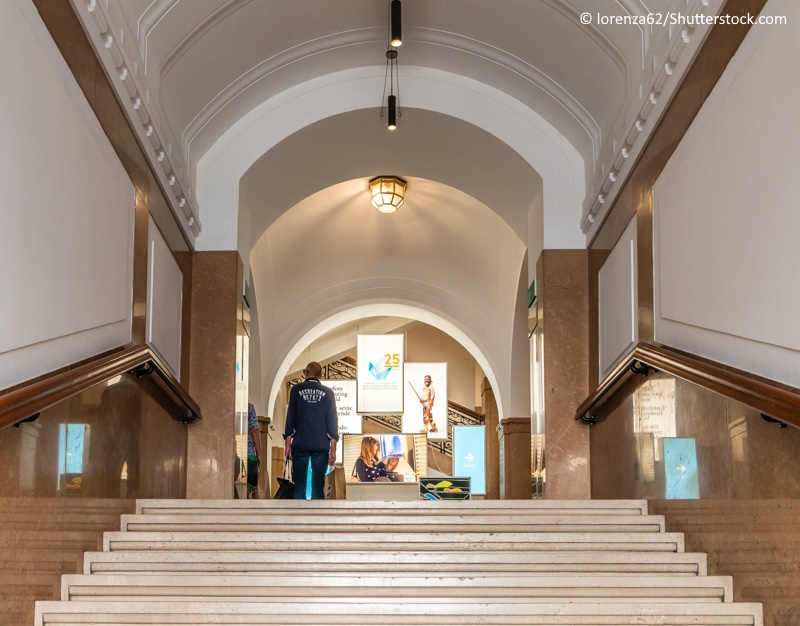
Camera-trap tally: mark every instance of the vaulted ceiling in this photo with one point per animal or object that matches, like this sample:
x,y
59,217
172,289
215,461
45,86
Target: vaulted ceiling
x,y
192,69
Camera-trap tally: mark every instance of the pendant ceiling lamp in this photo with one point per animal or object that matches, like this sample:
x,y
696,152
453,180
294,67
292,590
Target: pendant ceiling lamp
x,y
392,77
397,24
388,193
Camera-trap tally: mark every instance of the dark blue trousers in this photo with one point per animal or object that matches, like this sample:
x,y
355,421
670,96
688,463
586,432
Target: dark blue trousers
x,y
302,461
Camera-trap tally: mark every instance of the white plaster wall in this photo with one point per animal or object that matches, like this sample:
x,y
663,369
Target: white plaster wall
x,y
332,257
727,260
617,290
164,300
66,218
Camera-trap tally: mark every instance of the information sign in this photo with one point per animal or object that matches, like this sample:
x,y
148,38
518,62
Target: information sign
x,y
469,455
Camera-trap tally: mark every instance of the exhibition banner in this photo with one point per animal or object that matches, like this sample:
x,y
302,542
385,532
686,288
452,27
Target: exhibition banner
x,y
344,392
469,455
385,458
425,399
380,374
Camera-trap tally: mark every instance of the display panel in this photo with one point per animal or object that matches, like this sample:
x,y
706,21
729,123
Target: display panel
x,y
425,399
445,488
385,458
344,392
680,469
469,455
380,374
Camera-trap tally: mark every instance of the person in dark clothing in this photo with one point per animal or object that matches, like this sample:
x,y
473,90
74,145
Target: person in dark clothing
x,y
311,432
369,468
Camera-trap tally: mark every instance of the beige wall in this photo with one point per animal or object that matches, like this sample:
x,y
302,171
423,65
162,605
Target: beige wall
x,y
725,214
66,242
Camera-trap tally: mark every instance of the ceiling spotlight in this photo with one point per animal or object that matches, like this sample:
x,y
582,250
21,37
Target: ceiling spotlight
x,y
388,193
397,25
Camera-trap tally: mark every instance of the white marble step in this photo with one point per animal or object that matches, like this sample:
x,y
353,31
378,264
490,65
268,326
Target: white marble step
x,y
400,613
322,507
379,541
334,563
377,587
373,521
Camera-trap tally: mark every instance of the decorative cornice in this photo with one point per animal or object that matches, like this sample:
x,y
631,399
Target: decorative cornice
x,y
107,36
656,88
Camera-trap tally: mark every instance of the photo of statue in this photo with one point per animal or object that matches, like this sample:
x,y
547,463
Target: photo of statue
x,y
426,399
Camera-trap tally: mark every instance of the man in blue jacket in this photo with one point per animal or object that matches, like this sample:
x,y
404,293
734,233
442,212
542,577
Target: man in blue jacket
x,y
311,433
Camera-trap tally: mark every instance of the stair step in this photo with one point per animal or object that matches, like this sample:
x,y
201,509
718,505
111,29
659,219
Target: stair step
x,y
401,612
333,563
148,587
372,522
378,541
255,507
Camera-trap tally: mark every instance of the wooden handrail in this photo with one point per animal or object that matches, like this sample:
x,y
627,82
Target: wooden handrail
x,y
28,400
770,398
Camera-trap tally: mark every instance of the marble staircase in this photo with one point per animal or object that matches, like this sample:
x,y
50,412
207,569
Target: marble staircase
x,y
284,562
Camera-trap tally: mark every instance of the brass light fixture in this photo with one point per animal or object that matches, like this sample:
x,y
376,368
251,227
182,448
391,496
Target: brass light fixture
x,y
388,193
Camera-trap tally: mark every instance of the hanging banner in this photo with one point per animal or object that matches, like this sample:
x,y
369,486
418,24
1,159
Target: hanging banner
x,y
425,397
469,456
380,374
344,392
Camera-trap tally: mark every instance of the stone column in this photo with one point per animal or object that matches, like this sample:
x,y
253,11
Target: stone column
x,y
216,296
514,438
491,422
563,277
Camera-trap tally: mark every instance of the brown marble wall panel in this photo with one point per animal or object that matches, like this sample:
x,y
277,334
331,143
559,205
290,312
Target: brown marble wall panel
x,y
491,421
184,261
216,294
132,446
564,306
515,467
739,455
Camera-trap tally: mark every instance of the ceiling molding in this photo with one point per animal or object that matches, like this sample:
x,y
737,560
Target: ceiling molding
x,y
191,38
670,54
430,36
107,36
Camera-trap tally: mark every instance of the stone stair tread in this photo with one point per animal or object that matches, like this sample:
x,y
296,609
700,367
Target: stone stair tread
x,y
145,586
330,561
410,612
625,507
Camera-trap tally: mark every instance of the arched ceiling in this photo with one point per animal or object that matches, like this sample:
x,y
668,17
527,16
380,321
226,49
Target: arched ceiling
x,y
443,253
352,145
189,70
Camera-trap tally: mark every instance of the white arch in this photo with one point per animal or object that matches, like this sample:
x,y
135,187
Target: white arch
x,y
317,328
561,167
